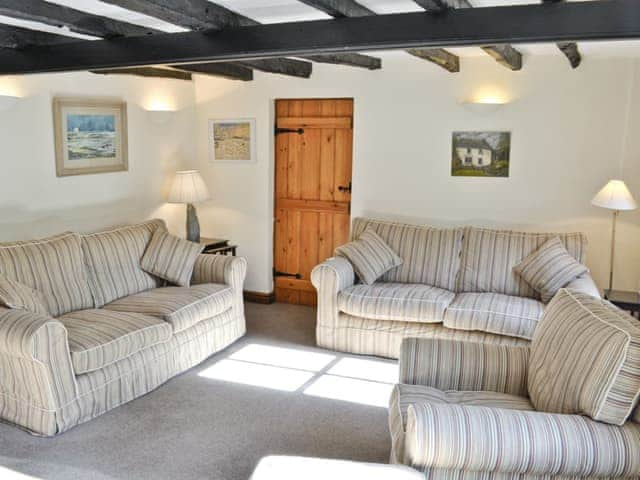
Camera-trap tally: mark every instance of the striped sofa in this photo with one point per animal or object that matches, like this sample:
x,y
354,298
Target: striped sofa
x,y
467,410
454,283
113,332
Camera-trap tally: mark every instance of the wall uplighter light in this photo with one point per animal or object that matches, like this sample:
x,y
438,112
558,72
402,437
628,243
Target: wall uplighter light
x,y
8,101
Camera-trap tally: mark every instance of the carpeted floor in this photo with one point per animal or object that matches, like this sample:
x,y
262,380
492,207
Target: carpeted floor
x,y
200,426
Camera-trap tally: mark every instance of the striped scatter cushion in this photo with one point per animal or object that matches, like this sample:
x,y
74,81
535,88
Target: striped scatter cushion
x,y
431,256
489,257
54,267
98,338
171,258
550,268
370,256
20,297
585,359
113,260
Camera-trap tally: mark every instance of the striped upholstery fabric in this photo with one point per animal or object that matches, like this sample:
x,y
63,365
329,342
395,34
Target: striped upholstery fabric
x,y
98,338
113,261
370,256
489,256
182,307
405,395
383,337
494,313
431,256
395,301
549,268
585,359
171,258
489,439
18,296
458,365
54,267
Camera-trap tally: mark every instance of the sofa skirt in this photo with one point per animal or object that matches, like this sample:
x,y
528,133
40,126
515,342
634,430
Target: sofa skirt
x,y
383,337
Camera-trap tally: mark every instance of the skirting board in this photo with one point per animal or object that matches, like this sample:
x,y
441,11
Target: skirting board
x,y
259,297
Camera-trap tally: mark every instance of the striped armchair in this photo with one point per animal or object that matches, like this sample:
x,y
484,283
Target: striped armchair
x,y
468,410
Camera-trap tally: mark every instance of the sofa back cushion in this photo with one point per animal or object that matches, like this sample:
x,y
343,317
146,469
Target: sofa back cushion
x,y
113,261
431,256
585,359
54,267
489,256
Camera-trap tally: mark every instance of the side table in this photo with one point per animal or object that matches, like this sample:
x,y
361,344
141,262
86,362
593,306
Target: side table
x,y
218,246
629,301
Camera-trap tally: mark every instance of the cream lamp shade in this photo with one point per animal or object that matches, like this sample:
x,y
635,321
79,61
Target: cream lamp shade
x,y
188,187
615,196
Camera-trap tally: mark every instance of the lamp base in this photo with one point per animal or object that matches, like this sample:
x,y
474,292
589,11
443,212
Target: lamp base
x,y
193,226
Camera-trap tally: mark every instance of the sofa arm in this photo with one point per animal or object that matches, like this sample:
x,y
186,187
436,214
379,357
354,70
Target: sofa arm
x,y
454,365
584,284
220,269
35,361
517,442
329,278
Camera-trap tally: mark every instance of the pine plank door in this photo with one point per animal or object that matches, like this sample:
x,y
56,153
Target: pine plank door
x,y
314,150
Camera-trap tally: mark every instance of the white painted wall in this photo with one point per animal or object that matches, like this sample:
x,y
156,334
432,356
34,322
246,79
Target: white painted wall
x,y
571,132
34,202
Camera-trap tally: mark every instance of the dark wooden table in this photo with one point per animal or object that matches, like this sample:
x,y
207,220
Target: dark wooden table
x,y
625,300
218,246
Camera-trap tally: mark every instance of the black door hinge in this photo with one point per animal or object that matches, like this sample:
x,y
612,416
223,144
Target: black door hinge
x,y
285,274
299,131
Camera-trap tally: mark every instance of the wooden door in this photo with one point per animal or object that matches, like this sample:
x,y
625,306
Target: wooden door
x,y
314,146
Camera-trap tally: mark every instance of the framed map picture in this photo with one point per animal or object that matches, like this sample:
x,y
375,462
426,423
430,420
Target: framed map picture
x,y
90,136
480,154
232,141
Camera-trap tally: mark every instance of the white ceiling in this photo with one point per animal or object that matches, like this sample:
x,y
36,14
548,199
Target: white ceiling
x,y
277,11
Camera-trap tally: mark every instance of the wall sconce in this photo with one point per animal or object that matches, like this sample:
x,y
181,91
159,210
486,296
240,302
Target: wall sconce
x,y
8,101
160,117
484,107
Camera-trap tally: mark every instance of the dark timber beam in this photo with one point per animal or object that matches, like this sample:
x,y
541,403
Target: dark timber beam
x,y
205,15
505,55
75,20
18,37
146,72
570,49
103,27
351,8
562,22
230,71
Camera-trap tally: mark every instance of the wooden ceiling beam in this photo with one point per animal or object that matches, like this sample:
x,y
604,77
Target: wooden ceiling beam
x,y
351,8
206,15
146,72
18,37
531,23
570,49
505,55
231,71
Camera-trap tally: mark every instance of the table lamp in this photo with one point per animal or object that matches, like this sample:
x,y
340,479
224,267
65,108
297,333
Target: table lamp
x,y
614,196
189,187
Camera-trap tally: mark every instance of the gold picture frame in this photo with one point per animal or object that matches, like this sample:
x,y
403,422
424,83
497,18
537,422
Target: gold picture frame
x,y
90,136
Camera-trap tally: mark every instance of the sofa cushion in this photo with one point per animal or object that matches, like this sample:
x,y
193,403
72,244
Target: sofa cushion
x,y
404,395
113,261
550,268
54,267
488,258
585,359
431,256
370,256
171,258
494,313
17,296
182,307
98,338
395,301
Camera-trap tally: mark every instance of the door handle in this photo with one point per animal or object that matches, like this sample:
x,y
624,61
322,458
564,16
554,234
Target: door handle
x,y
344,189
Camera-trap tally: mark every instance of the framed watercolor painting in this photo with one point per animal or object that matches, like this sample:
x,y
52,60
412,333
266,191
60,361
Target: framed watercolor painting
x,y
232,141
480,154
90,136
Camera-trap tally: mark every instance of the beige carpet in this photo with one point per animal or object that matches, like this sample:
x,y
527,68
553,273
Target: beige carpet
x,y
200,425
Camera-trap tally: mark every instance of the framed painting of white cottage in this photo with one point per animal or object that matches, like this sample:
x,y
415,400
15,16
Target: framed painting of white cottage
x,y
90,136
480,154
